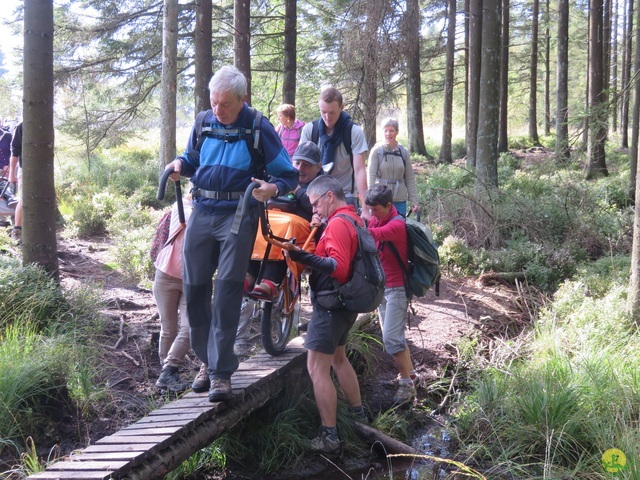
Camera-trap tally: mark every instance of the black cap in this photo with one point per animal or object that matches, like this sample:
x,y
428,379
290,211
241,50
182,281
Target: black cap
x,y
308,152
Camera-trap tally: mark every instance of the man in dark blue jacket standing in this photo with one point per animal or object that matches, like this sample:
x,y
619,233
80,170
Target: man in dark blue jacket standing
x,y
231,147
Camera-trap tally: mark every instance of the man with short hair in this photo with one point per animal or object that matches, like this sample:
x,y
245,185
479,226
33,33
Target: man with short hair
x,y
221,163
328,330
333,126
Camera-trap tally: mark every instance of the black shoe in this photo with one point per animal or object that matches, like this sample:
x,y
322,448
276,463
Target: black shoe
x,y
170,379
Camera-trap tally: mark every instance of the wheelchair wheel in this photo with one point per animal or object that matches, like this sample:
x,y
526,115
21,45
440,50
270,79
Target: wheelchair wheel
x,y
276,325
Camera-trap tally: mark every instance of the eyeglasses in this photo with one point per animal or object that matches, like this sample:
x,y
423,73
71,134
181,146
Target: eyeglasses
x,y
315,204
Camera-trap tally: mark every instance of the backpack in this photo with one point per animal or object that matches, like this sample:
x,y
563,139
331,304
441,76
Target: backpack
x,y
363,292
346,140
250,135
424,260
161,236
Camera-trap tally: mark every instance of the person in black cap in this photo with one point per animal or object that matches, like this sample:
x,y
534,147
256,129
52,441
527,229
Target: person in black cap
x,y
307,159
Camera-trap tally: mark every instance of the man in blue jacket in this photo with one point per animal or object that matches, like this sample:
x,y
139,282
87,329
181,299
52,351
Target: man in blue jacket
x,y
232,146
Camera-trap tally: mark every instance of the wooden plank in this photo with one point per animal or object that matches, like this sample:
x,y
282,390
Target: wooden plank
x,y
139,447
111,465
197,411
168,417
84,456
165,423
125,440
52,475
163,430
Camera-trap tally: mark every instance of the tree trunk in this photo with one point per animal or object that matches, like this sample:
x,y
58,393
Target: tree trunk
x,y
547,71
447,121
562,74
614,73
203,57
487,144
626,75
473,79
290,52
533,76
370,70
415,128
596,166
39,243
169,83
635,131
503,139
606,63
242,40
633,300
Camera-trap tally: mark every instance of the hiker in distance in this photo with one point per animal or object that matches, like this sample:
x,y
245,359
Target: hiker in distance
x,y
390,165
342,144
230,146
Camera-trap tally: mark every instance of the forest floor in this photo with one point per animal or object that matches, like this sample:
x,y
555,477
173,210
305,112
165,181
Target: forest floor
x,y
482,308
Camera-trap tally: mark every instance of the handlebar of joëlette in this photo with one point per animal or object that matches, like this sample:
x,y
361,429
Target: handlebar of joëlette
x,y
264,225
162,185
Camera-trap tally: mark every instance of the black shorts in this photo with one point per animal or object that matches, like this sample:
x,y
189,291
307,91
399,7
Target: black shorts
x,y
328,330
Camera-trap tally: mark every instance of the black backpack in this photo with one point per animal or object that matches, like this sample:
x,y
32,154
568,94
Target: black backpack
x,y
363,292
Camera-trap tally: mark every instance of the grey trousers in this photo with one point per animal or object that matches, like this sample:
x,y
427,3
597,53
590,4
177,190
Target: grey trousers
x,y
210,247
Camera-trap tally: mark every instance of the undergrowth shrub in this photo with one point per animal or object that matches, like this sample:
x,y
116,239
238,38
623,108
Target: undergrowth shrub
x,y
573,392
28,295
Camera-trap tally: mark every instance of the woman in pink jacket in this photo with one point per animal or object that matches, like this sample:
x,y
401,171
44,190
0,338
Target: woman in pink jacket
x,y
289,128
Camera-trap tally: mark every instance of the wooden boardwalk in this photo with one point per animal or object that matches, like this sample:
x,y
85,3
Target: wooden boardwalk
x,y
158,443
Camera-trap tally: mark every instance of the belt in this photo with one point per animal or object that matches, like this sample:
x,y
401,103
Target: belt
x,y
216,195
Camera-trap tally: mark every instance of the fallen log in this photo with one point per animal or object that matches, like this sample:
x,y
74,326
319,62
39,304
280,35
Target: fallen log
x,y
389,444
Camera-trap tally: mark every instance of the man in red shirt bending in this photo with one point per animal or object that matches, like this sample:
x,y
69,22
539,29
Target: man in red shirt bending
x,y
328,329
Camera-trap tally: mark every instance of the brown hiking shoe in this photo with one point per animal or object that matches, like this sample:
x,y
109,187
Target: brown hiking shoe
x,y
201,383
220,390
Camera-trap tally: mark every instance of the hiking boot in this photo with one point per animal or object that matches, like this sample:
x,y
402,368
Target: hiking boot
x,y
170,379
242,349
359,415
264,291
325,443
201,383
16,235
406,392
220,390
415,378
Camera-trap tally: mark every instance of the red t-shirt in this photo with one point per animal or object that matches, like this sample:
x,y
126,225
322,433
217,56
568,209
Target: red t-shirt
x,y
340,241
395,231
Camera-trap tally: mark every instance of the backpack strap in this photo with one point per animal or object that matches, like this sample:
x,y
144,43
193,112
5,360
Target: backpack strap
x,y
394,250
251,135
346,140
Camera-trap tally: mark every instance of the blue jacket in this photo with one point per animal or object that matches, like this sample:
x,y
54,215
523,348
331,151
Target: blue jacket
x,y
227,166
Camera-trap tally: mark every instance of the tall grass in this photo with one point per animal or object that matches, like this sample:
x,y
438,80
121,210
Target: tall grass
x,y
574,393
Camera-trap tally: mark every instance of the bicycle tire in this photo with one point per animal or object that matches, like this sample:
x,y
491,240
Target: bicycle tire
x,y
276,326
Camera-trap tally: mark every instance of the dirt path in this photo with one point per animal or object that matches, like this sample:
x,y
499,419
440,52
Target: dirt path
x,y
465,307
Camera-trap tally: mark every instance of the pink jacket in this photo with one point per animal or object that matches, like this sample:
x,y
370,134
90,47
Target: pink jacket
x,y
290,137
169,259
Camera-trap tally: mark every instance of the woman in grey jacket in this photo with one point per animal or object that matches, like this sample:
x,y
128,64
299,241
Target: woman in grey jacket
x,y
389,164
